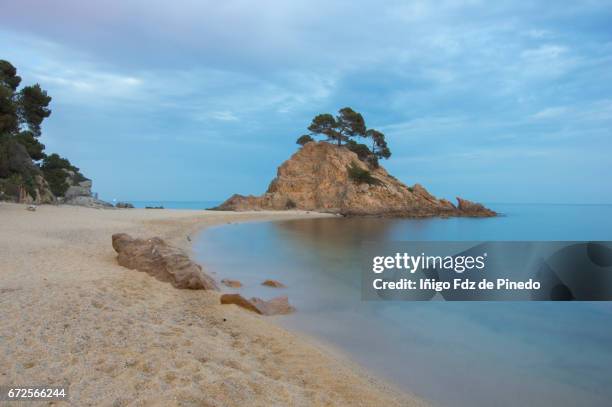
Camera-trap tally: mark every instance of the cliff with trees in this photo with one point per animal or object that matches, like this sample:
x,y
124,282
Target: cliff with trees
x,y
341,173
27,173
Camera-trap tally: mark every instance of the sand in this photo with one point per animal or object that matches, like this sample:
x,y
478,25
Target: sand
x,y
69,314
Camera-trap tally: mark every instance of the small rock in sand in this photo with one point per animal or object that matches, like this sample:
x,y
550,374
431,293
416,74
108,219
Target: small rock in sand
x,y
275,306
31,208
273,283
231,283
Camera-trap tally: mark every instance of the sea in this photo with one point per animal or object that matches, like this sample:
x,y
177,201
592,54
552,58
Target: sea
x,y
449,353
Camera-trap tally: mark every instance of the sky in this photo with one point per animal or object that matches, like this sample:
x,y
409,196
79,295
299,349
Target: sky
x,y
501,101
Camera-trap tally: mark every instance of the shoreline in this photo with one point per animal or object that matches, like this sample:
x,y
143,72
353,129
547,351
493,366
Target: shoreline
x,y
119,337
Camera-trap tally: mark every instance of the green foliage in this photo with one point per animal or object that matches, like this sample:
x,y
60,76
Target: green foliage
x,y
350,123
304,139
362,151
346,126
9,81
56,178
33,104
326,125
34,147
4,156
22,113
360,175
9,122
11,186
379,144
8,75
54,169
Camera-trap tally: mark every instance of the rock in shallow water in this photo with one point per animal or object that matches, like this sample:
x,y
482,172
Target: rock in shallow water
x,y
164,262
275,306
274,284
231,283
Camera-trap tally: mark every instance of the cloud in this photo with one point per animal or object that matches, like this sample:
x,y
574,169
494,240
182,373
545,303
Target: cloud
x,y
550,113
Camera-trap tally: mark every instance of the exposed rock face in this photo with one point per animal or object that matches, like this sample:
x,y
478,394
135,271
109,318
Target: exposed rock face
x,y
79,192
164,262
77,188
275,306
317,178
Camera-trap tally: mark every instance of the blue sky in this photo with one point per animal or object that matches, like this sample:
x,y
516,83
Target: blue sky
x,y
194,100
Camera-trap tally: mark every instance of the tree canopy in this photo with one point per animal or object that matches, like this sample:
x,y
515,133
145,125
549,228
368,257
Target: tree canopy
x,y
22,112
344,129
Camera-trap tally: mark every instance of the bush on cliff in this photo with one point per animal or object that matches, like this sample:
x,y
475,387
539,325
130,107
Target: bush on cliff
x,y
56,170
360,175
304,139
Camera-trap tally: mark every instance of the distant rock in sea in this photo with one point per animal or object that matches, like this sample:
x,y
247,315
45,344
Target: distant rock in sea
x,y
124,205
329,178
273,284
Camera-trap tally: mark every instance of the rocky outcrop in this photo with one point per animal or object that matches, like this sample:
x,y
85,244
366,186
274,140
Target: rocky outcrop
x,y
231,283
273,284
275,306
76,188
79,192
124,205
327,178
164,262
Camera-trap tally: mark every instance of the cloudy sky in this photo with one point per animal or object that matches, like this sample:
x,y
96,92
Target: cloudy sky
x,y
499,101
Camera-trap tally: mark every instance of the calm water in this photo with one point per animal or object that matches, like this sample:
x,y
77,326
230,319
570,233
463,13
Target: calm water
x,y
454,354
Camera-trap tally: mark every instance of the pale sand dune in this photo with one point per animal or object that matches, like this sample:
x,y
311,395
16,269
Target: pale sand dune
x,y
70,314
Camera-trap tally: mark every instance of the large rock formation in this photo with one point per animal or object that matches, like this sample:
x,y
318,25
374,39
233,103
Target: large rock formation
x,y
79,192
164,262
327,178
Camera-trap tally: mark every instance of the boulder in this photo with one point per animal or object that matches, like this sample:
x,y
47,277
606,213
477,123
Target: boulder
x,y
164,262
231,283
318,177
273,283
275,306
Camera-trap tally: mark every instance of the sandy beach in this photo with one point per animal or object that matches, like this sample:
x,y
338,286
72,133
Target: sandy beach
x,y
118,337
